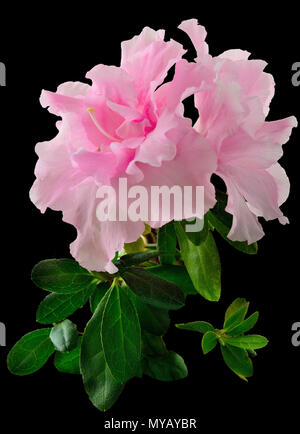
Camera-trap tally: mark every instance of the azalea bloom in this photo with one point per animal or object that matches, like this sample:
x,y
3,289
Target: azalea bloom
x,y
121,126
232,112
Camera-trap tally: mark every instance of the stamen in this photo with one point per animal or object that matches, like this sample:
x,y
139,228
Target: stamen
x,y
91,113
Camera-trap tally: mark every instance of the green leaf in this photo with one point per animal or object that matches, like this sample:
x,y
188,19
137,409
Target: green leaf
x,y
152,319
63,276
30,353
100,385
166,242
135,246
209,341
236,318
57,307
242,377
153,290
98,294
168,367
234,306
121,335
244,326
68,362
135,258
64,336
176,274
153,345
196,237
222,222
237,360
197,326
248,342
202,263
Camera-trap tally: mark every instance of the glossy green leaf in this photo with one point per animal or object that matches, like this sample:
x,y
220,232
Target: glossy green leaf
x,y
176,274
121,335
196,237
100,385
197,326
248,342
209,341
98,294
234,306
168,367
64,336
244,326
166,243
237,360
63,276
153,345
68,362
30,353
152,319
154,290
202,263
160,363
236,318
135,258
57,307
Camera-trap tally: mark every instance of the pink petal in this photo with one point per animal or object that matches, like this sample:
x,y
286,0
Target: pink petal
x,y
189,78
245,225
197,34
114,84
97,241
192,166
220,111
249,74
147,59
100,165
282,182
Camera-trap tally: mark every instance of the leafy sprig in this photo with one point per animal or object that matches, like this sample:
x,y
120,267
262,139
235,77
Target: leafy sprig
x,y
124,337
234,344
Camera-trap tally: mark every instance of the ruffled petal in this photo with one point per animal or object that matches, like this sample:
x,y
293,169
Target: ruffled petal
x,y
197,34
245,225
114,84
147,59
258,151
220,112
54,173
193,165
100,165
249,74
97,241
189,78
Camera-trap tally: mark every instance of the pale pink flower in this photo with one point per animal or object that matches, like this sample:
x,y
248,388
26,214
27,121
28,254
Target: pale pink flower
x,y
118,127
232,112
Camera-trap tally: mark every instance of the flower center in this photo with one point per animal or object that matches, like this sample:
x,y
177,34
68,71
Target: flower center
x,y
105,133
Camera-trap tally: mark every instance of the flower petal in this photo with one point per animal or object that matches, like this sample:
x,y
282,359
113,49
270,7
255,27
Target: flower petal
x,y
114,84
197,34
245,225
147,59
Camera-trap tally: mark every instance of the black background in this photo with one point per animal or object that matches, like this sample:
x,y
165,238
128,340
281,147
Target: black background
x,y
44,47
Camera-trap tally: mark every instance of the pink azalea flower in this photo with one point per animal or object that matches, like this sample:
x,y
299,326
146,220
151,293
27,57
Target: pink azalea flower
x,y
120,127
232,112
